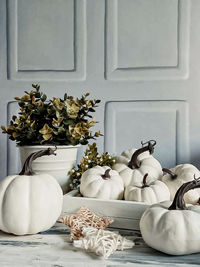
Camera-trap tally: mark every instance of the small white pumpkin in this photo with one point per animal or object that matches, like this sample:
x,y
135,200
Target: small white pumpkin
x,y
173,228
133,164
150,193
175,177
29,202
102,182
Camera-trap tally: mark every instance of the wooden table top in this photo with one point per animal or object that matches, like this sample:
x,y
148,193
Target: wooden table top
x,y
53,248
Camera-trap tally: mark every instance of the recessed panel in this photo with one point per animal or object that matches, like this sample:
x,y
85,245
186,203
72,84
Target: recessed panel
x,y
45,39
147,33
129,123
147,39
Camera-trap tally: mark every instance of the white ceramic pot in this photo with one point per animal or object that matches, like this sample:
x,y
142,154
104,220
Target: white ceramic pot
x,y
58,166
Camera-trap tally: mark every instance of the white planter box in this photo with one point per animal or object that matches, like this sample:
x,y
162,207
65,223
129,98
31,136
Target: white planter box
x,y
126,214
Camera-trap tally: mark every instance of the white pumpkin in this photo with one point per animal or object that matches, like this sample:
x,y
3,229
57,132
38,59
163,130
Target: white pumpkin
x,y
133,164
150,193
101,182
29,202
173,228
175,177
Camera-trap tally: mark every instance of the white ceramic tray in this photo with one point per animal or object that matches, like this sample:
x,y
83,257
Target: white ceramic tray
x,y
126,214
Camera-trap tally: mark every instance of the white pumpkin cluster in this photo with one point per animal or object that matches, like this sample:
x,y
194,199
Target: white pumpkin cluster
x,y
170,227
127,178
141,172
138,176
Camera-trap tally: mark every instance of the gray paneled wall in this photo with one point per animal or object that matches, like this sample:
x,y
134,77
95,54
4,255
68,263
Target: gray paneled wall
x,y
141,57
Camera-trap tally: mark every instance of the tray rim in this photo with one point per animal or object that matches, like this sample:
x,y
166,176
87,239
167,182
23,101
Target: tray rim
x,y
128,218
75,191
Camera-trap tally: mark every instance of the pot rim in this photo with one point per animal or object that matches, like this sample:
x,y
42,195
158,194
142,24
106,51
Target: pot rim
x,y
51,146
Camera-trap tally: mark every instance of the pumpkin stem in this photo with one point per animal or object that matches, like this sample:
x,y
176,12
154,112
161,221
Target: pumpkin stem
x,y
27,168
173,175
134,163
179,202
106,175
144,181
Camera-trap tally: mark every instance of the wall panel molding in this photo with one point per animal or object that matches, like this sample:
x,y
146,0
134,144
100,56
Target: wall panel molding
x,y
154,47
47,41
13,156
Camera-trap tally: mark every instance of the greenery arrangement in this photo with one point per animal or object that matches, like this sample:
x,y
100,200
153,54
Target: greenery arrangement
x,y
91,159
56,121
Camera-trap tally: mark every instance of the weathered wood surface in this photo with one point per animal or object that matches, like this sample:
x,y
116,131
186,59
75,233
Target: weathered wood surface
x,y
53,248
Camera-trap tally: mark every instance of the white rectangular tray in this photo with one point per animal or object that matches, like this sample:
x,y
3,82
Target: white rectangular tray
x,y
126,214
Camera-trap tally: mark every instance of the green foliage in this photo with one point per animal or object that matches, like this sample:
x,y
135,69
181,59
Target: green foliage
x,y
90,160
56,121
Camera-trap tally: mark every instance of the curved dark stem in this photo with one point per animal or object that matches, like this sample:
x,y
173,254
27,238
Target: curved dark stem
x,y
150,141
134,163
144,182
173,175
106,175
179,202
27,168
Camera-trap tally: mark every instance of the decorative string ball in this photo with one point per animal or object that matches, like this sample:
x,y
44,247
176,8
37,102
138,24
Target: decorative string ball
x,y
84,218
102,242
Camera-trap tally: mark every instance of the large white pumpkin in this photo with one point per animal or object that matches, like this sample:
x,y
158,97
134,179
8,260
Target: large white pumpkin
x,y
133,164
29,202
173,228
150,193
102,182
175,177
